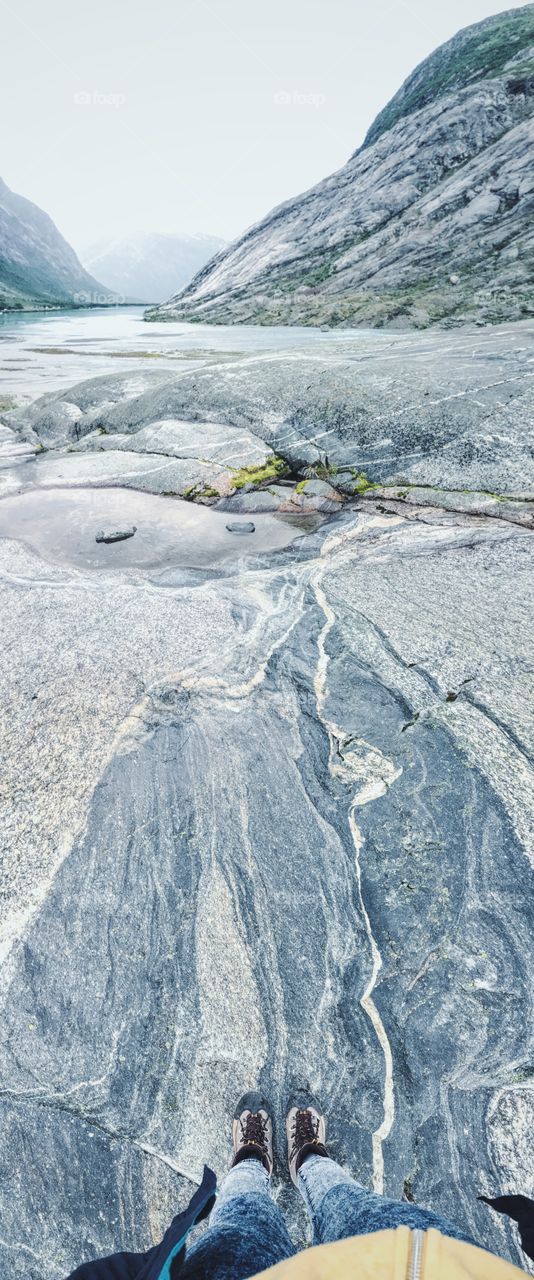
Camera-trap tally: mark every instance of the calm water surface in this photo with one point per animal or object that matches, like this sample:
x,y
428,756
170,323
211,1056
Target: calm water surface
x,y
51,350
61,525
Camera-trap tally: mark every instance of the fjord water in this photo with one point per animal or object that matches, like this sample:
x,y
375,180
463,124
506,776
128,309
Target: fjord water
x,y
44,351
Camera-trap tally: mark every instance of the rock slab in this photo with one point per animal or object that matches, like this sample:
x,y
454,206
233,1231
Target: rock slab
x,y
271,806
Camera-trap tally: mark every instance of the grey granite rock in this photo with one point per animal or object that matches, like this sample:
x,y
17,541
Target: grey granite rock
x,y
518,511
212,441
7,435
313,495
241,526
82,408
429,222
248,501
403,408
155,473
273,821
13,448
86,444
263,845
115,535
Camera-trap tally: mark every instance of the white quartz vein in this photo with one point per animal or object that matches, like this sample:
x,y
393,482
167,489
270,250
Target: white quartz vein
x,y
376,785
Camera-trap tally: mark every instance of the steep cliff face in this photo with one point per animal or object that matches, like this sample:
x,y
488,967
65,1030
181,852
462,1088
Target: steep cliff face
x,y
37,266
429,222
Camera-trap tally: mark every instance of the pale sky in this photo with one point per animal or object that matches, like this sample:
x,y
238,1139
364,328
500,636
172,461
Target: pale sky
x,y
197,115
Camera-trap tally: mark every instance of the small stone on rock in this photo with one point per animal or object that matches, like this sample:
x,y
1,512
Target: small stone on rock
x,y
241,526
115,535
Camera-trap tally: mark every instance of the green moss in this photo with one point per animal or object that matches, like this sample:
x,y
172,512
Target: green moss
x,y
362,483
258,476
197,491
300,487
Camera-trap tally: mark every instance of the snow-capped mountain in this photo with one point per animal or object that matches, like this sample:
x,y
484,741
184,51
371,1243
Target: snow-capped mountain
x,y
147,268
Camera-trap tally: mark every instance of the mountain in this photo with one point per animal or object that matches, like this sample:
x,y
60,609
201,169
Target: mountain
x,y
429,222
147,268
37,266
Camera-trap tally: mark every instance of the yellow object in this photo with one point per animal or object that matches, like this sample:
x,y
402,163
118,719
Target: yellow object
x,y
400,1254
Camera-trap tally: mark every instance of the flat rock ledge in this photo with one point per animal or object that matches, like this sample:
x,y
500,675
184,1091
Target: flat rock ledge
x,y
402,419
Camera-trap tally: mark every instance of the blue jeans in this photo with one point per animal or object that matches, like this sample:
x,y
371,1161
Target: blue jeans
x,y
247,1232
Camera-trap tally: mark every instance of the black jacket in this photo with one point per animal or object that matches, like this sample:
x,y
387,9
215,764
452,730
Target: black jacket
x,y
521,1210
163,1261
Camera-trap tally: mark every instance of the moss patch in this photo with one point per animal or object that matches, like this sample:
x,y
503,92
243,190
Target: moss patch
x,y
362,482
258,476
197,491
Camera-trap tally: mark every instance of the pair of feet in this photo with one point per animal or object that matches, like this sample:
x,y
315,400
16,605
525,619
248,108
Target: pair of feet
x,y
252,1132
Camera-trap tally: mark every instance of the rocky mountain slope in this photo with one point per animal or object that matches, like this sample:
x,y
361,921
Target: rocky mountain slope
x,y
148,268
37,266
429,222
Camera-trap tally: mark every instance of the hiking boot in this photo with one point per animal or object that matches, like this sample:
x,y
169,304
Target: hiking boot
x,y
252,1131
306,1131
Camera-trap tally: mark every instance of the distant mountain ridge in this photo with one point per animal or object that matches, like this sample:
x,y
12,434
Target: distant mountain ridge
x,y
37,265
429,222
147,268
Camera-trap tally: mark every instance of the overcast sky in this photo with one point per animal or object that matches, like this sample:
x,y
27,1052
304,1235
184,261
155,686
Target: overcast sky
x,y
197,115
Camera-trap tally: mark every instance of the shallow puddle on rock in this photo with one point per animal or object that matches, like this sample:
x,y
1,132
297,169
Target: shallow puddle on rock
x,y
62,524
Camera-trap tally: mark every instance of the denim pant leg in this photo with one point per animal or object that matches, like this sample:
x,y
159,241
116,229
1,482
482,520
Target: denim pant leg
x,y
339,1207
246,1231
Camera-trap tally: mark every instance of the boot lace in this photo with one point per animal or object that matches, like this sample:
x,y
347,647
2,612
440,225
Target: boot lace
x,y
305,1129
254,1129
